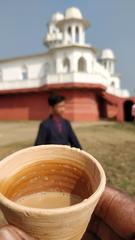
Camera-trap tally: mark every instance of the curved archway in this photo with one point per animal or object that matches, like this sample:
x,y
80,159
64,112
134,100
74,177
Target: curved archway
x,y
82,65
128,111
66,65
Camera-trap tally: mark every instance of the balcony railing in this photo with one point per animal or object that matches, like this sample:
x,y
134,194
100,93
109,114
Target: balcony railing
x,y
78,77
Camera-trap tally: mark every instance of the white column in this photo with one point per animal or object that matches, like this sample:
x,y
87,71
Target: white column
x,y
59,64
81,35
108,66
112,67
73,63
64,36
93,66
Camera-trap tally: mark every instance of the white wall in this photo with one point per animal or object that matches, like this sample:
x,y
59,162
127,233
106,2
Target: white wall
x,y
53,65
12,71
73,55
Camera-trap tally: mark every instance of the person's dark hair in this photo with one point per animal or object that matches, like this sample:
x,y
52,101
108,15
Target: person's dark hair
x,y
55,99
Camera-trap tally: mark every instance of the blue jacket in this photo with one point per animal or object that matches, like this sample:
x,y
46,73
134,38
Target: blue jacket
x,y
49,134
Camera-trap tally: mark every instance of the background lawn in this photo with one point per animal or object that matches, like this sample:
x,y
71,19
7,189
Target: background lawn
x,y
113,144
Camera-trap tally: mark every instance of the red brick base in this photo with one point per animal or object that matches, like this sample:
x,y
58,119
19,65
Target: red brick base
x,y
83,104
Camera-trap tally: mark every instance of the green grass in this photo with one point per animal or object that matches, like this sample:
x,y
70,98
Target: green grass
x,y
113,144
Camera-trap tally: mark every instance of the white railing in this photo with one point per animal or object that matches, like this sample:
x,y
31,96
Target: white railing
x,y
77,77
20,84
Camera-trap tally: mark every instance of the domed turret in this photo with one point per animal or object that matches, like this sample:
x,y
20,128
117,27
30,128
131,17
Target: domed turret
x,y
66,29
73,13
54,36
107,54
57,17
107,59
73,26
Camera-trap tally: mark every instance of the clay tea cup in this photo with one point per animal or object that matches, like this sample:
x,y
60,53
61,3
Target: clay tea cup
x,y
50,191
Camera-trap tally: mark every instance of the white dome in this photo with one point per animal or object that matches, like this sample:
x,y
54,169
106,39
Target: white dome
x,y
57,17
73,13
107,54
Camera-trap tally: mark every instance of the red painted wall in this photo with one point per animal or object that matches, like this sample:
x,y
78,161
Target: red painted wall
x,y
111,111
23,106
85,106
81,105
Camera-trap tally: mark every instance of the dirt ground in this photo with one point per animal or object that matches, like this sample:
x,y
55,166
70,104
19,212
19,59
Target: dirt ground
x,y
113,144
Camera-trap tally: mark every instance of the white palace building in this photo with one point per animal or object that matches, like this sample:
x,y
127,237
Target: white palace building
x,y
69,61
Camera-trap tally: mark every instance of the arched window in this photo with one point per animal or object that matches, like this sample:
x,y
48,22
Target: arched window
x,y
77,34
69,33
82,65
112,84
24,73
66,65
69,30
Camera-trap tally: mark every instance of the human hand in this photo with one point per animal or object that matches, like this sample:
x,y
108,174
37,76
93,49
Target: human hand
x,y
114,217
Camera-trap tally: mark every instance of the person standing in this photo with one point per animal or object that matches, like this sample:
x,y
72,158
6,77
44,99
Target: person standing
x,y
56,129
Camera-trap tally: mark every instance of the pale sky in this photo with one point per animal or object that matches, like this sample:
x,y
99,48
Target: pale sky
x,y
23,27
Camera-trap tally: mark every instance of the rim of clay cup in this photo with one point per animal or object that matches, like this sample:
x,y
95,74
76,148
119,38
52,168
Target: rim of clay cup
x,y
44,211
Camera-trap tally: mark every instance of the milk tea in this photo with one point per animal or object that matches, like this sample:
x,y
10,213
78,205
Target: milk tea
x,y
49,200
